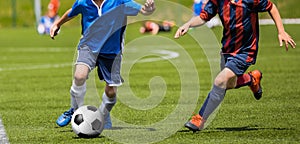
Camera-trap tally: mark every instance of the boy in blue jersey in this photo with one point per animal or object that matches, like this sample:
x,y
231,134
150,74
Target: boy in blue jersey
x,y
197,6
47,20
103,28
239,48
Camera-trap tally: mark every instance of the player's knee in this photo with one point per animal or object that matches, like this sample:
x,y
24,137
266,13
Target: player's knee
x,y
231,83
220,82
225,78
80,78
111,91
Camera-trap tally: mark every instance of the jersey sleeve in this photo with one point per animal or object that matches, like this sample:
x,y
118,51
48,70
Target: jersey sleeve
x,y
76,9
209,11
262,5
131,8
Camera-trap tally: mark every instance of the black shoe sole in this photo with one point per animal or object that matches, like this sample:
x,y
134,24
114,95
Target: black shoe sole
x,y
258,95
191,127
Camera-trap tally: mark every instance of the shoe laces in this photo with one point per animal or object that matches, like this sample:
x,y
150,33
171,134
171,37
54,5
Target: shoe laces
x,y
196,119
69,112
253,79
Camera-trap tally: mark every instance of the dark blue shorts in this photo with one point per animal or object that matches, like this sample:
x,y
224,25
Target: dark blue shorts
x,y
236,63
109,69
108,66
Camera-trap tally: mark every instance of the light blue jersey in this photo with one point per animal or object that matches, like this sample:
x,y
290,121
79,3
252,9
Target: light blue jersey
x,y
198,4
103,28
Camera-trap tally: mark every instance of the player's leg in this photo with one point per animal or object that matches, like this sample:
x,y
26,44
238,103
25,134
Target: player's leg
x,y
251,79
109,99
109,71
78,88
84,64
226,79
77,92
213,100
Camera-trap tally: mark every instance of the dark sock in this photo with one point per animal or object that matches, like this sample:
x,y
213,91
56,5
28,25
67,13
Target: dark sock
x,y
213,100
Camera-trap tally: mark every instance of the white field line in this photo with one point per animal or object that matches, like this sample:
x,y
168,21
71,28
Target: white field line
x,y
44,66
46,49
3,137
166,54
284,21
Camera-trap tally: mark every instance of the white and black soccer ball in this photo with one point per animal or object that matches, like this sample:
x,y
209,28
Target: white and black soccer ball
x,y
87,122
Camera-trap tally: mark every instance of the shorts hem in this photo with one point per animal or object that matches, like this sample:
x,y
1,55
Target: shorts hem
x,y
115,85
82,63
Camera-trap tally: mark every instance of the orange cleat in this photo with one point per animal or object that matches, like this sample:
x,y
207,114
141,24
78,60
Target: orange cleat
x,y
195,124
255,86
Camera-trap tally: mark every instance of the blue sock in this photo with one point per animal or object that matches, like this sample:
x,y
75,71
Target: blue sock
x,y
213,100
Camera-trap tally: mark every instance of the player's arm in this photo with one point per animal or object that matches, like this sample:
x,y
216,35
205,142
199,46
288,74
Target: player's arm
x,y
148,8
283,36
193,22
57,24
210,10
155,29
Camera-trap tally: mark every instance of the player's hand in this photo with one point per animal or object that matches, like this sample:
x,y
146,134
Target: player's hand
x,y
182,30
149,6
54,31
287,39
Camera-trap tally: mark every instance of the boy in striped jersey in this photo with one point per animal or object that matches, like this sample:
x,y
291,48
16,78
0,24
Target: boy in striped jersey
x,y
239,48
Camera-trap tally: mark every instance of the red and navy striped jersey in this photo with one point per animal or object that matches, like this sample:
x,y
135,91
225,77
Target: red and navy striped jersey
x,y
240,22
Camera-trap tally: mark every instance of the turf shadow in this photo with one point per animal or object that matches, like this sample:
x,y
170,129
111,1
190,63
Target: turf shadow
x,y
133,128
64,131
237,129
247,128
98,137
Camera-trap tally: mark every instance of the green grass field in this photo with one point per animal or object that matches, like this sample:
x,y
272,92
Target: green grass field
x,y
36,74
25,15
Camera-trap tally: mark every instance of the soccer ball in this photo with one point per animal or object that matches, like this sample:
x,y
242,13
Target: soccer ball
x,y
87,122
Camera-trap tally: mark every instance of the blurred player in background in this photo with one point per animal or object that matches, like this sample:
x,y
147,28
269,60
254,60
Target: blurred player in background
x,y
239,49
103,26
51,16
155,28
198,7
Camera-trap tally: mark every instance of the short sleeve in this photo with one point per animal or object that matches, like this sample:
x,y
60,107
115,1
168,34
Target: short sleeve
x,y
76,9
209,11
262,5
